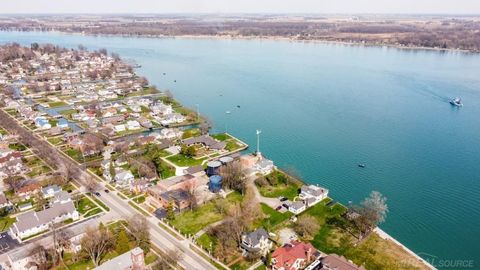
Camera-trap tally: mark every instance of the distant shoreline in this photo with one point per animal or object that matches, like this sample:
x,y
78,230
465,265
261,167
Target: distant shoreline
x,y
268,38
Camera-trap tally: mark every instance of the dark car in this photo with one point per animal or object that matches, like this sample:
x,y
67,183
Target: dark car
x,y
282,199
98,194
107,191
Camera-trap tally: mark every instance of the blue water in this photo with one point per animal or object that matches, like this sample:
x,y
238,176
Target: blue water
x,y
323,108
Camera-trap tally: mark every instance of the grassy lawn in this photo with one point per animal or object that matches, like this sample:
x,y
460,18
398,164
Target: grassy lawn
x,y
101,203
221,137
17,147
5,223
373,252
273,217
193,132
57,104
190,222
55,141
278,184
287,190
93,212
184,161
206,241
84,205
140,199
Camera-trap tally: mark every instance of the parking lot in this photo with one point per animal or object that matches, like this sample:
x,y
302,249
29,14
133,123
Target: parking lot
x,y
7,243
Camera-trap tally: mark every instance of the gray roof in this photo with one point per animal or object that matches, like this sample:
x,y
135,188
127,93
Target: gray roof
x,y
297,205
314,190
123,261
207,140
253,238
194,169
55,189
33,219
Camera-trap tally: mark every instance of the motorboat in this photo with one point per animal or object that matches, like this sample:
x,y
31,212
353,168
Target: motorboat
x,y
361,165
456,102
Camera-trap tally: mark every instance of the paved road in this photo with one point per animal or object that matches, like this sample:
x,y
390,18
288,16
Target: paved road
x,y
51,155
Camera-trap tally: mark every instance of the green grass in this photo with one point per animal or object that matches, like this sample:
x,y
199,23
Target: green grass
x,y
140,199
193,132
221,137
6,223
101,203
261,267
150,258
17,147
191,222
273,217
68,221
53,122
184,161
84,205
145,213
57,104
286,190
55,140
68,112
93,212
34,235
206,241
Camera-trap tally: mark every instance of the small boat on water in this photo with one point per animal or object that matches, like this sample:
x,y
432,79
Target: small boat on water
x,y
362,165
456,102
238,106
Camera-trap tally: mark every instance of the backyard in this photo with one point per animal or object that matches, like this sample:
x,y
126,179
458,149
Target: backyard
x,y
191,222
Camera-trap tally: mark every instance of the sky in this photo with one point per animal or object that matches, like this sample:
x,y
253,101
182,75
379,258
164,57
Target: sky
x,y
241,6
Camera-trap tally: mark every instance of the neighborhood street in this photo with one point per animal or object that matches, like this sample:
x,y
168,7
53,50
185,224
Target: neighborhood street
x,y
159,237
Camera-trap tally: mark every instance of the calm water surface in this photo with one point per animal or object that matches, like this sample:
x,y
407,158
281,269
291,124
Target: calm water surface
x,y
324,108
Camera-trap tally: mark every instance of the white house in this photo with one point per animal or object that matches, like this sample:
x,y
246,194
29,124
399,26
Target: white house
x,y
50,191
312,194
120,128
133,125
124,177
297,207
31,223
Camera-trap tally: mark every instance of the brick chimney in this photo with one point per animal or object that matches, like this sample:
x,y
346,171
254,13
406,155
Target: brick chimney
x,y
138,262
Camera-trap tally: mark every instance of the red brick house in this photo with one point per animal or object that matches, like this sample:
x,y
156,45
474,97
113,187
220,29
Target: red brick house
x,y
293,256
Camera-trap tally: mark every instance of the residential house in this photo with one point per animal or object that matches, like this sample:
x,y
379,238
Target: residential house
x,y
123,177
29,188
293,256
159,198
297,207
185,182
42,123
256,242
205,140
312,194
50,191
4,201
131,260
31,223
133,125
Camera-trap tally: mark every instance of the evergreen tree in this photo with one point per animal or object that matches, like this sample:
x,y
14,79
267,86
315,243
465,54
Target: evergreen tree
x,y
170,213
121,244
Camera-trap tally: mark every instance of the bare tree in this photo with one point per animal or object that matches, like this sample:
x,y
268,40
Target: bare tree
x,y
372,211
41,257
233,176
306,226
96,243
139,229
91,184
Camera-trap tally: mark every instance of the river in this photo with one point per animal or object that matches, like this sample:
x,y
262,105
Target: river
x,y
324,108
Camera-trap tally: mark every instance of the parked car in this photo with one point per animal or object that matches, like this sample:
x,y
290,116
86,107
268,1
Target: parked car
x,y
98,194
107,191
